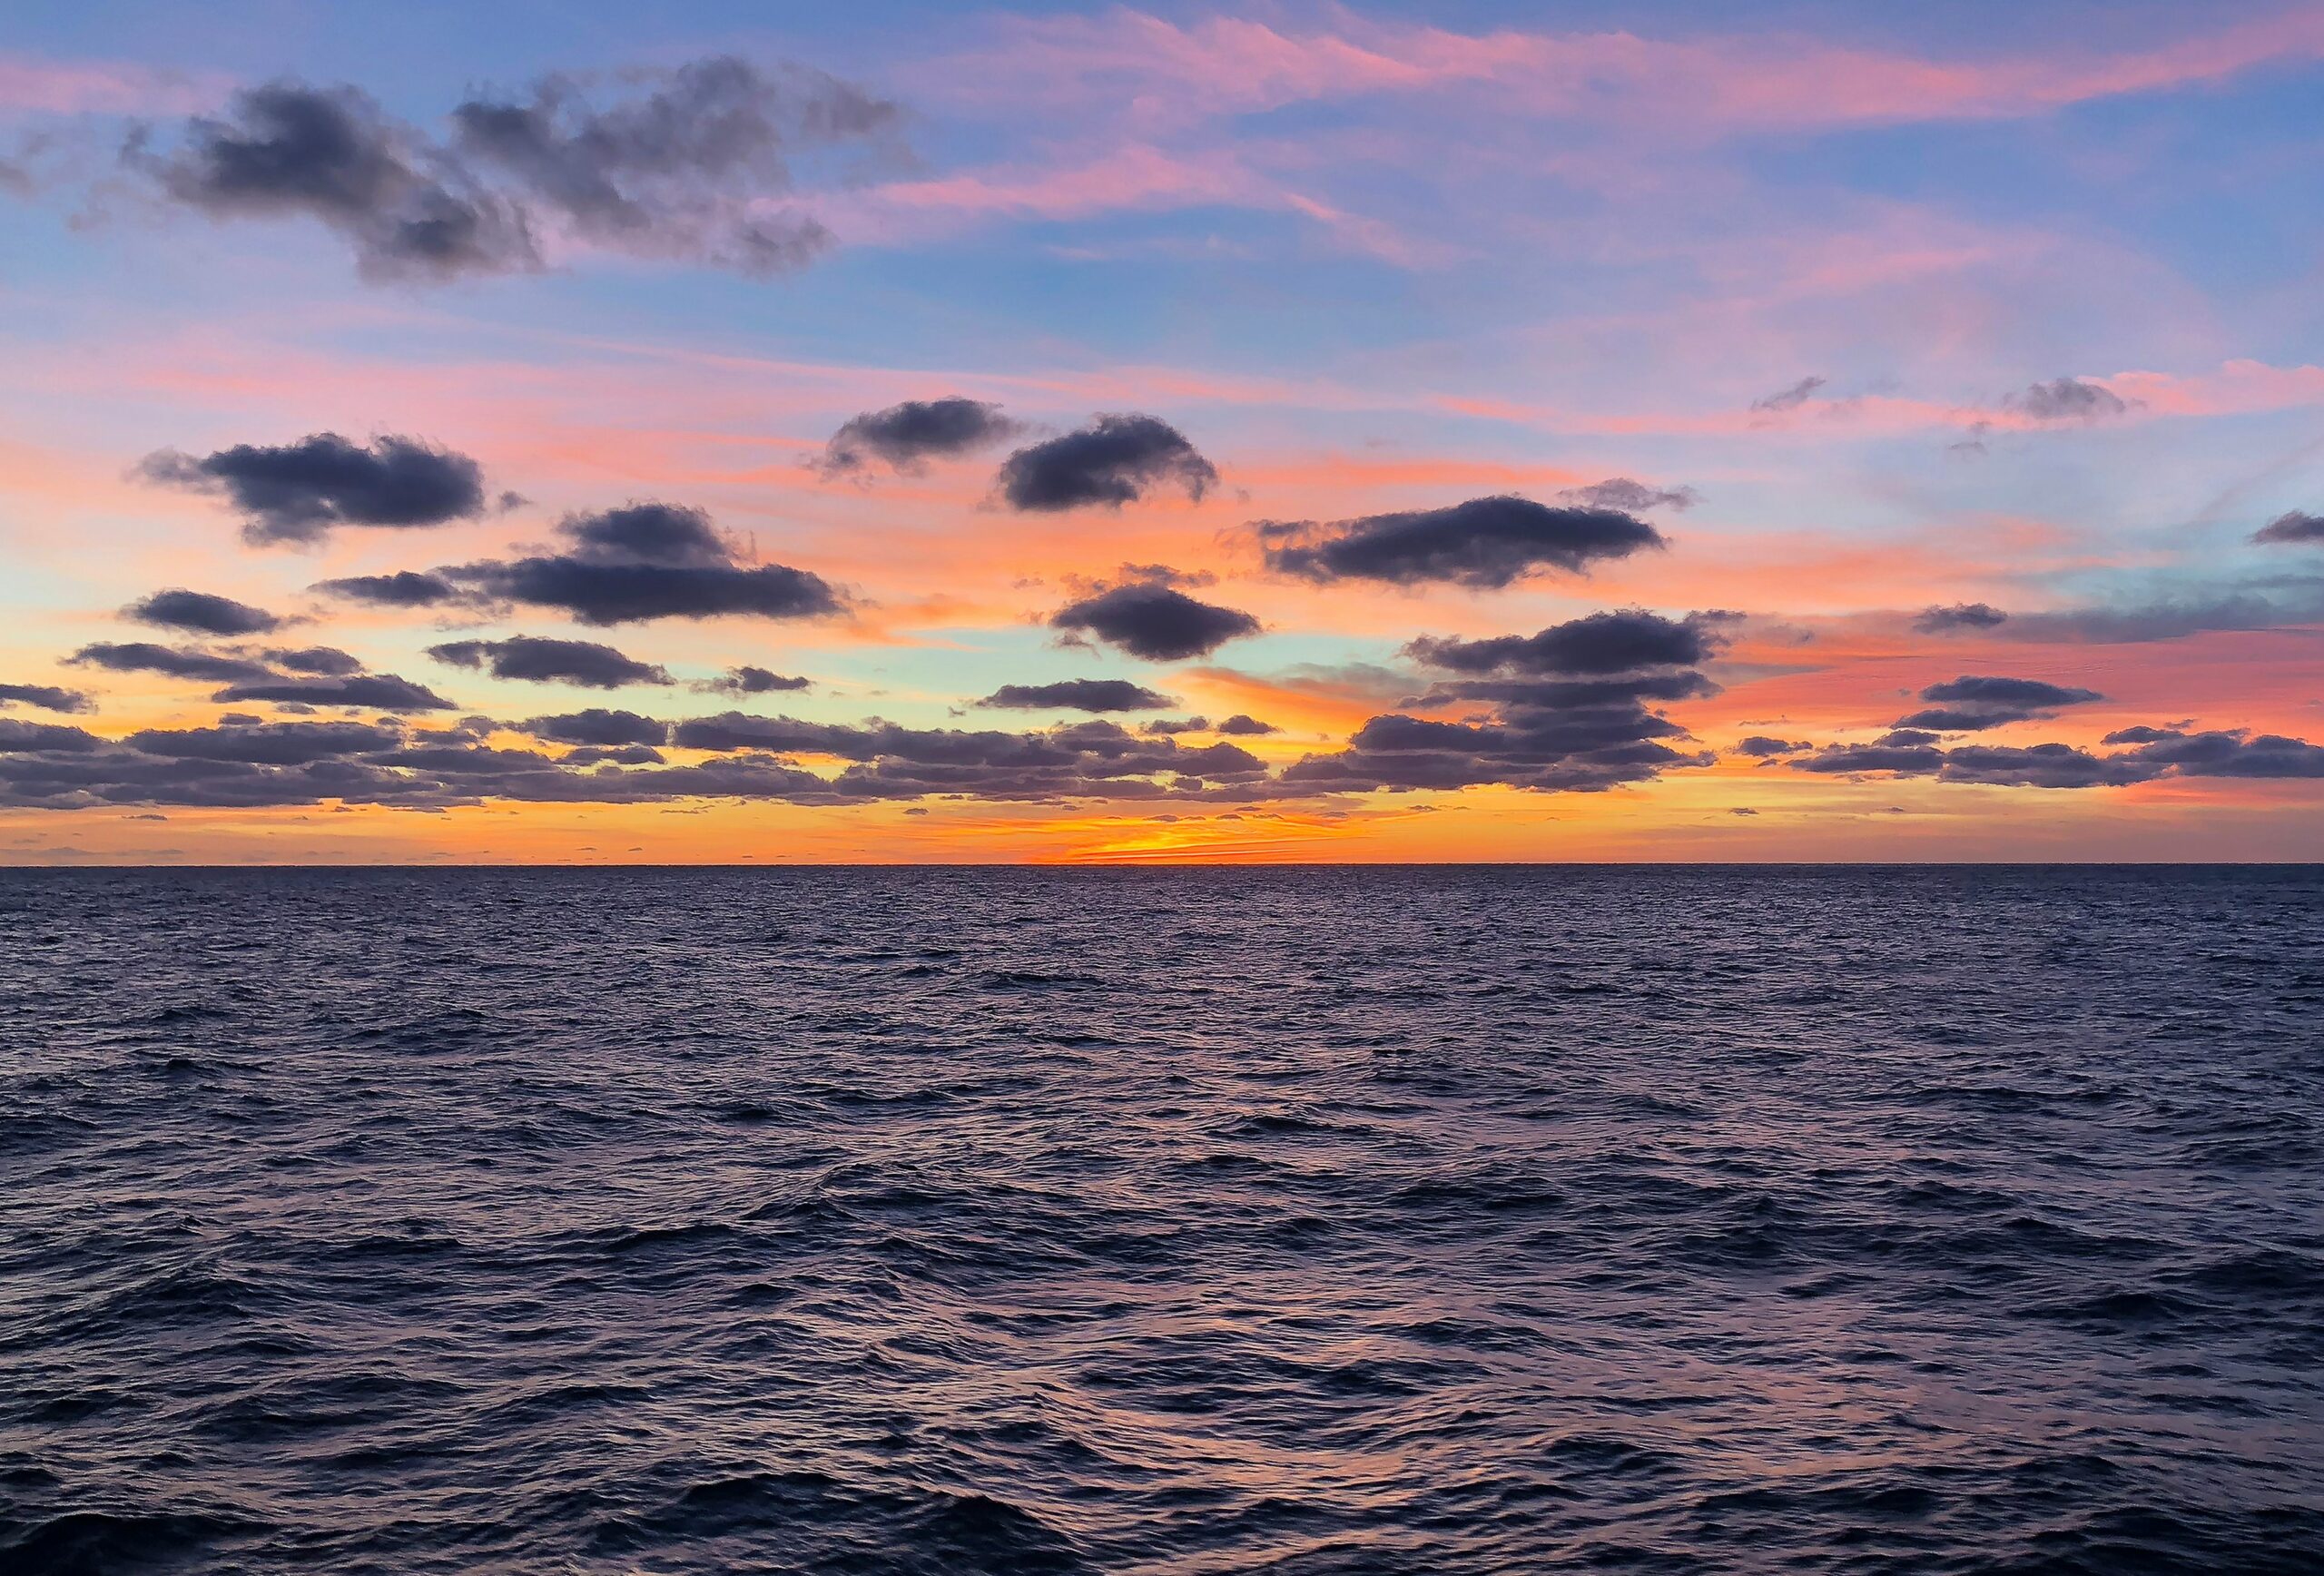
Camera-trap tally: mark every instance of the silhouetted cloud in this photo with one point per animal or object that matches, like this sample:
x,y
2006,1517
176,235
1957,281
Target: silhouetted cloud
x,y
648,561
1958,616
171,661
202,613
904,437
17,737
1790,399
1484,542
1244,725
2066,399
1763,747
746,680
322,659
1620,492
1975,702
47,697
2234,754
385,691
1571,709
542,661
1081,695
1113,460
266,744
1614,642
404,588
297,492
2296,525
683,163
1155,622
597,726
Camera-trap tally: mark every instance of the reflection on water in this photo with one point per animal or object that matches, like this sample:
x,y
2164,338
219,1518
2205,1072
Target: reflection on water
x,y
1308,1221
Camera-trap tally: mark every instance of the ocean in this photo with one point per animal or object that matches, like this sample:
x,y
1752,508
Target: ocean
x,y
1305,1221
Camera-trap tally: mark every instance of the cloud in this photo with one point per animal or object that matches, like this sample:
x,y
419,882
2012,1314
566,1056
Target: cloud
x,y
2294,526
1790,399
171,661
904,437
298,492
2233,754
647,561
1620,492
1082,694
285,149
322,659
1569,709
1113,460
691,164
1975,703
540,661
1616,642
202,613
48,697
1155,621
1244,725
404,588
1762,746
1960,615
385,691
1484,543
1171,727
265,743
598,726
25,738
747,680
2066,399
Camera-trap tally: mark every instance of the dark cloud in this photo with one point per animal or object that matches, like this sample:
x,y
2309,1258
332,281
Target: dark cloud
x,y
202,613
2066,399
26,738
404,588
1763,747
297,492
1570,709
681,165
1614,642
2160,753
266,744
1790,399
47,697
1620,492
648,561
1958,616
384,691
285,149
1155,622
1244,725
747,680
2233,754
322,659
904,437
1113,460
171,660
1907,738
1975,702
1171,727
598,726
541,661
1484,542
2296,525
1080,695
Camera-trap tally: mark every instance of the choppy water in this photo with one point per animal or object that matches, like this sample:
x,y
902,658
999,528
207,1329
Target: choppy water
x,y
1312,1221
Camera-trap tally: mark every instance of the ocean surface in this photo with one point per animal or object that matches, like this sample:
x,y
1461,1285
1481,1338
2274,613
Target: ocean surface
x,y
1302,1221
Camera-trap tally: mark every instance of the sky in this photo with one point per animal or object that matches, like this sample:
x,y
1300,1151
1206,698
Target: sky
x,y
721,432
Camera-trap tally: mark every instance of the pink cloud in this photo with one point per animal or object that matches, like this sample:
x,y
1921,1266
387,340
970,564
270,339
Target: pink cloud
x,y
30,86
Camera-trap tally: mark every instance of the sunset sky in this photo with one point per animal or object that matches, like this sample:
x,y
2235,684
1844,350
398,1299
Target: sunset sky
x,y
900,432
